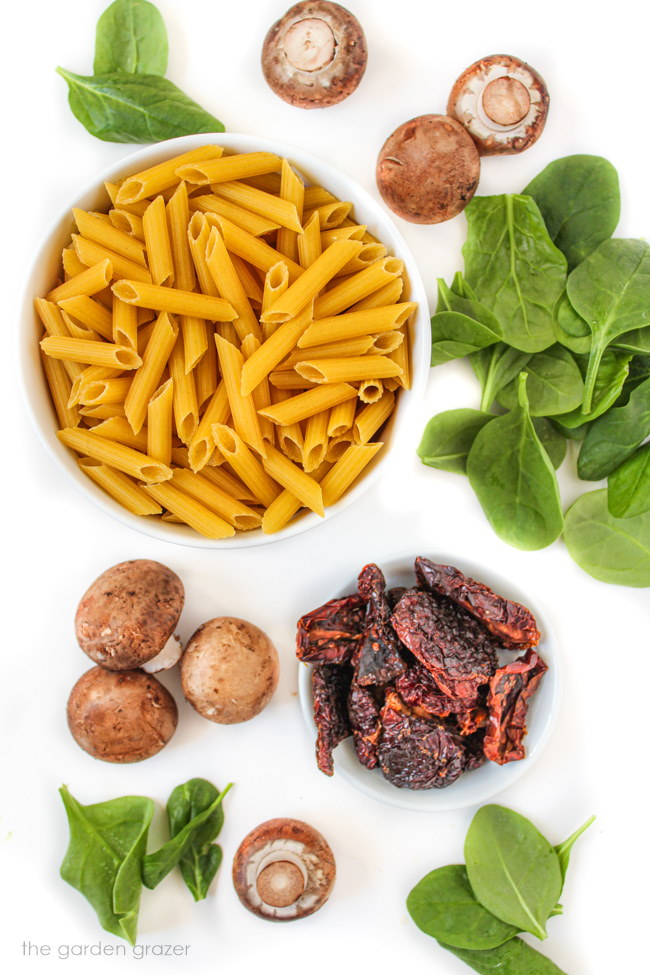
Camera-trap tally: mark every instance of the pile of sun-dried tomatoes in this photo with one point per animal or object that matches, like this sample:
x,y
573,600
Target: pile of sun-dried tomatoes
x,y
413,675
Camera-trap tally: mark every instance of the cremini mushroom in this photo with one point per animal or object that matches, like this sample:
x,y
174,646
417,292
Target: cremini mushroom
x,y
127,617
123,716
315,55
283,870
502,102
428,169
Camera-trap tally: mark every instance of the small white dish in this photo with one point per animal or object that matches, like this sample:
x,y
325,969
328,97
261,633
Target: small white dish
x,y
480,785
46,267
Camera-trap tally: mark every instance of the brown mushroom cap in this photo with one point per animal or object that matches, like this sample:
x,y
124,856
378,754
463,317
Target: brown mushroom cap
x,y
315,56
128,614
502,102
428,169
124,716
229,670
283,870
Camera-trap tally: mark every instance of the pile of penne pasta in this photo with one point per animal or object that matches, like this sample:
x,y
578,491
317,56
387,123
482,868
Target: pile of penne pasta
x,y
225,343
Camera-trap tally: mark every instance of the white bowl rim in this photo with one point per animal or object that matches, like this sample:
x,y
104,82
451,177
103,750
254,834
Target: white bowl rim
x,y
327,174
471,788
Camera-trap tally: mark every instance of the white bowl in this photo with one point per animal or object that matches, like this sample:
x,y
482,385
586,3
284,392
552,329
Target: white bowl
x,y
46,267
481,784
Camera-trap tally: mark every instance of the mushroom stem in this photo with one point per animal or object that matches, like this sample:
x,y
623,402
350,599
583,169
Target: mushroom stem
x,y
309,45
506,101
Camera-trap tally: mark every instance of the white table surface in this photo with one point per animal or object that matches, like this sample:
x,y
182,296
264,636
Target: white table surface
x,y
55,542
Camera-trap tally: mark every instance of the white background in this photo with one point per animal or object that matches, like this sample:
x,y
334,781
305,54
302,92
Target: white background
x,y
56,542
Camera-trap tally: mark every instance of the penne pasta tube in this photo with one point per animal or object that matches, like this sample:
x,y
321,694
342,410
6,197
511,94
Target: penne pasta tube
x,y
159,423
120,487
174,301
330,215
186,411
228,483
91,314
400,356
289,379
201,446
245,465
370,419
92,353
230,287
125,459
107,391
255,251
198,233
276,282
338,445
252,223
94,227
369,253
310,243
294,479
307,404
355,232
264,204
262,392
178,218
247,276
102,412
292,189
147,378
289,437
316,439
195,340
346,470
60,386
71,263
269,182
90,254
358,286
127,222
242,408
190,511
273,350
206,370
317,196
370,390
341,418
350,370
118,428
156,236
227,168
124,324
369,322
88,282
347,347
235,512
137,209
312,280
154,180
388,294
387,342
91,374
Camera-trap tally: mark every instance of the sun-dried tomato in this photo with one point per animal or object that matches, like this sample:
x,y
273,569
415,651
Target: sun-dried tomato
x,y
513,624
510,689
379,659
330,687
450,643
365,723
415,752
329,634
472,720
418,688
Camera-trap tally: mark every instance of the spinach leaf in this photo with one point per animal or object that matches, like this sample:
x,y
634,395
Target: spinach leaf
x,y
512,958
563,850
448,437
131,37
580,201
629,486
637,341
514,871
613,371
104,857
553,442
135,108
195,820
554,383
514,268
443,906
616,435
570,329
611,291
611,549
454,335
514,479
494,368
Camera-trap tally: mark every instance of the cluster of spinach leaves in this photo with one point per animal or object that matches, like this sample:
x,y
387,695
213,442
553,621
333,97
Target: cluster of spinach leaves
x,y
107,862
511,882
554,317
128,99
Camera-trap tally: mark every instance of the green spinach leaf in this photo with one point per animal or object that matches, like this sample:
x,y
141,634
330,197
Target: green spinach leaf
x,y
448,437
629,486
512,958
636,341
443,906
135,108
195,819
553,442
616,435
513,870
580,201
613,372
615,550
563,850
494,368
454,335
131,38
104,859
570,329
554,383
611,291
514,268
514,479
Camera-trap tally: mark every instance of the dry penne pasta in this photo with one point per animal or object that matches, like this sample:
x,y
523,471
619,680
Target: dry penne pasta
x,y
270,207
330,215
229,284
174,301
178,218
195,340
252,223
355,232
120,487
129,223
125,459
341,418
242,408
286,505
358,286
316,438
235,512
338,445
370,390
293,479
71,263
118,428
186,410
262,392
372,417
124,324
276,282
110,391
349,370
356,323
346,470
292,189
159,423
310,242
190,511
206,371
227,168
92,353
147,377
273,350
346,347
154,180
93,227
88,282
300,407
201,446
90,254
249,279
255,251
386,342
244,463
91,314
60,386
317,196
156,236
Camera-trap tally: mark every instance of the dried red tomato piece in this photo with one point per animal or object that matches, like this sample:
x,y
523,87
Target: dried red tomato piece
x,y
510,690
418,688
379,659
513,624
365,723
450,643
330,686
472,720
417,753
329,634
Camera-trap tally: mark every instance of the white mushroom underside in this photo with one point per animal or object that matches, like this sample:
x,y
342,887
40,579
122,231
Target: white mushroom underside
x,y
168,657
469,104
309,44
301,857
